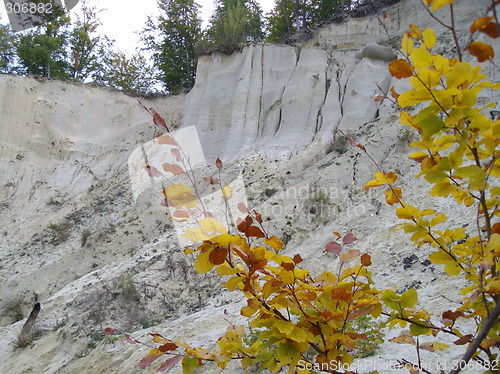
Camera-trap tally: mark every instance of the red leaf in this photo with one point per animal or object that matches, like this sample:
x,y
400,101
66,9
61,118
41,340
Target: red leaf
x,y
172,168
255,231
164,202
176,153
464,339
333,247
166,139
297,259
159,121
168,347
146,361
152,171
110,331
169,363
349,239
249,220
218,163
242,208
378,97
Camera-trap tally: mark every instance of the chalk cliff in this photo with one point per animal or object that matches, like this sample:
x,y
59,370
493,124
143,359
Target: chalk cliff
x,y
74,239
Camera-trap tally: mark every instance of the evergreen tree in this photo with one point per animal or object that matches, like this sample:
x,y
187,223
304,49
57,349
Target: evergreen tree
x,y
7,48
172,38
236,21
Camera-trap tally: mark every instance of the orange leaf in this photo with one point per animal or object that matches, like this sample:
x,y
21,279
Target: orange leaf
x,y
394,94
481,51
400,69
480,24
378,97
166,139
495,229
258,216
241,225
288,266
366,260
172,168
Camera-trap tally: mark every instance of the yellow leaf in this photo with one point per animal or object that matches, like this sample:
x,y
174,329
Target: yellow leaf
x,y
393,196
409,298
438,4
234,282
274,242
429,38
421,57
407,43
227,191
381,179
202,263
195,234
210,225
403,338
284,327
413,97
179,196
190,364
226,269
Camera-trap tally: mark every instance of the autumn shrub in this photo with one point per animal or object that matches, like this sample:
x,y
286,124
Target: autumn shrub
x,y
303,322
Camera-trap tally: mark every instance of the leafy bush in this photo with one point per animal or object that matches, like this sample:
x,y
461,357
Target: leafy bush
x,y
307,322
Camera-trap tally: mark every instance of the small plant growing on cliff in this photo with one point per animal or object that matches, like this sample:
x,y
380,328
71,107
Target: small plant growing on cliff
x,y
308,323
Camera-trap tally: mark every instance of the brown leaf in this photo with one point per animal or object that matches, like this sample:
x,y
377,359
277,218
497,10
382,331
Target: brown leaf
x,y
481,51
258,216
400,68
241,225
166,139
495,229
297,259
152,171
451,316
254,231
218,163
218,255
403,338
288,266
464,339
349,255
168,347
170,362
159,121
172,168
349,239
333,247
110,331
366,260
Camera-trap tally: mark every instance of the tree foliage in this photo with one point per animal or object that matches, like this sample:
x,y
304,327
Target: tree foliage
x,y
172,38
7,49
236,21
307,322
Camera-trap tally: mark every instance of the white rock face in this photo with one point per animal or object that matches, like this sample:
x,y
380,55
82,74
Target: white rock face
x,y
73,238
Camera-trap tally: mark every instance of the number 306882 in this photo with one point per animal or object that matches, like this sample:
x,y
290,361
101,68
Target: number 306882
x,y
29,8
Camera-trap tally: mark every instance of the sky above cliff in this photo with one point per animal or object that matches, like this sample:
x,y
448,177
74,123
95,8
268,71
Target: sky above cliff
x,y
121,20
